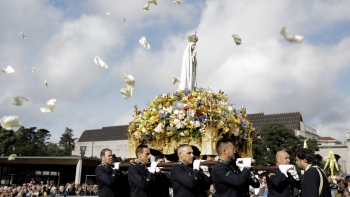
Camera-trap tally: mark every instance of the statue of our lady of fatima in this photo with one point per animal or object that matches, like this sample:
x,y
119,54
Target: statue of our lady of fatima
x,y
189,65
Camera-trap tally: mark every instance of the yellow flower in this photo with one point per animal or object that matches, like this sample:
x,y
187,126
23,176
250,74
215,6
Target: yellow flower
x,y
186,132
146,115
194,93
168,133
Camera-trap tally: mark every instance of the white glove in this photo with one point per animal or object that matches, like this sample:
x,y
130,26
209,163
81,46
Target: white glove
x,y
116,165
153,167
247,162
239,163
294,173
285,168
196,164
158,169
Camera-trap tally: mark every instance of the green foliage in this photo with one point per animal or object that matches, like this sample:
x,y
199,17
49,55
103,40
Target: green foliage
x,y
274,137
7,139
67,142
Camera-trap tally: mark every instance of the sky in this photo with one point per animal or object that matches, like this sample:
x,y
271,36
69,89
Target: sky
x,y
265,73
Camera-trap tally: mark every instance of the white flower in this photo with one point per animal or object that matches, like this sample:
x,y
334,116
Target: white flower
x,y
143,42
8,70
169,109
192,122
176,121
179,126
160,106
143,130
19,100
100,63
229,108
181,116
198,124
8,122
182,134
158,128
176,111
291,37
50,106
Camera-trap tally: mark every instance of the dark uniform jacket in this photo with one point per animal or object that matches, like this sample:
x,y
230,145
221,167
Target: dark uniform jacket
x,y
108,180
187,182
228,181
140,180
279,185
161,185
311,183
252,181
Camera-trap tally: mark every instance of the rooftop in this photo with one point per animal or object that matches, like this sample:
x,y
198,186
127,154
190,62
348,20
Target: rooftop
x,y
105,134
325,138
291,120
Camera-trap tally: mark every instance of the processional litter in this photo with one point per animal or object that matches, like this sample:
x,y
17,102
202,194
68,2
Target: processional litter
x,y
195,116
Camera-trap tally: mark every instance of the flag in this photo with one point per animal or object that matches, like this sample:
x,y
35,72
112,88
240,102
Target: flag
x,y
331,161
305,144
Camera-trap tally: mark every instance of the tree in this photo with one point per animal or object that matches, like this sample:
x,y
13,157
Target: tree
x,y
67,142
7,139
52,149
272,138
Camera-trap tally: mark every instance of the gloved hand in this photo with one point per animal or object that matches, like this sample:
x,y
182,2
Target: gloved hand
x,y
153,167
284,169
294,173
116,165
239,163
196,164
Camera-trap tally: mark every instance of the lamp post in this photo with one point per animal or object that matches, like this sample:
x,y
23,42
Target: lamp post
x,y
82,151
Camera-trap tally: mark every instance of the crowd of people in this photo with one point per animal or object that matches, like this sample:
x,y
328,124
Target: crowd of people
x,y
49,188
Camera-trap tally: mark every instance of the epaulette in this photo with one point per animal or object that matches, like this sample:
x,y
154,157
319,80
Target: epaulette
x,y
271,174
182,163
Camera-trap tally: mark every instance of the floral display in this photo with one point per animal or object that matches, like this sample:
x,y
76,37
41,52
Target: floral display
x,y
186,114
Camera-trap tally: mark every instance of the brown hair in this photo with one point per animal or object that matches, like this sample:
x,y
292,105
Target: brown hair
x,y
103,152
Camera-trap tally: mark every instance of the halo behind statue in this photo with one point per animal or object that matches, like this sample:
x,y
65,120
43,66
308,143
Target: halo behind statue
x,y
198,117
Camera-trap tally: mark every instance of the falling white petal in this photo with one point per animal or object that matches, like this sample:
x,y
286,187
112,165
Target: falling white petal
x,y
47,84
129,79
143,42
176,2
34,70
108,13
126,91
8,70
23,36
100,63
8,122
12,157
175,79
50,106
237,39
19,100
153,1
146,7
290,37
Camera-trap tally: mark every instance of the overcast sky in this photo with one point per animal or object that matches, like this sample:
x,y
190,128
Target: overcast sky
x,y
265,73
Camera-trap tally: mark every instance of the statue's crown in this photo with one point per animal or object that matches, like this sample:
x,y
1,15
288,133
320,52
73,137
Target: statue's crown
x,y
193,38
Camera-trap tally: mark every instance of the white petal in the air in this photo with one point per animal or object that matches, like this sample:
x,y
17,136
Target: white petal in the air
x,y
8,122
19,100
176,2
175,79
100,63
153,1
291,37
34,70
47,84
8,70
126,91
146,7
23,36
129,79
12,157
237,39
108,13
143,42
50,106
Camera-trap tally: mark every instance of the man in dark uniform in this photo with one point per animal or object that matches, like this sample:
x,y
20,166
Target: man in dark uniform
x,y
187,182
315,182
160,188
108,177
140,179
228,181
281,182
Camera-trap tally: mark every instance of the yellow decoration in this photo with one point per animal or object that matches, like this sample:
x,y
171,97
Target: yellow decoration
x,y
305,144
331,161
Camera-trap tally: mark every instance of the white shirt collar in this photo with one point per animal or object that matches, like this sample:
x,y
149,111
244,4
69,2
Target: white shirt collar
x,y
307,167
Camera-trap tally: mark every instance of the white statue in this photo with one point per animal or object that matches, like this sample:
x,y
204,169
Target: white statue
x,y
348,134
189,66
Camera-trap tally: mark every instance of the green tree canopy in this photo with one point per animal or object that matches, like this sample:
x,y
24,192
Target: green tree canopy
x,y
67,142
274,137
7,139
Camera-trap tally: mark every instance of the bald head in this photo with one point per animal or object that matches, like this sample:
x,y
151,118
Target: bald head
x,y
282,158
185,153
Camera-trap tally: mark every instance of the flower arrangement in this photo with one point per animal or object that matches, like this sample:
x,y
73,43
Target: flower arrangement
x,y
186,114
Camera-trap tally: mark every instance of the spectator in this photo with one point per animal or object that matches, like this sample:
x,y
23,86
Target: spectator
x,y
62,191
95,190
263,189
53,192
211,191
70,190
77,189
341,186
84,190
91,189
